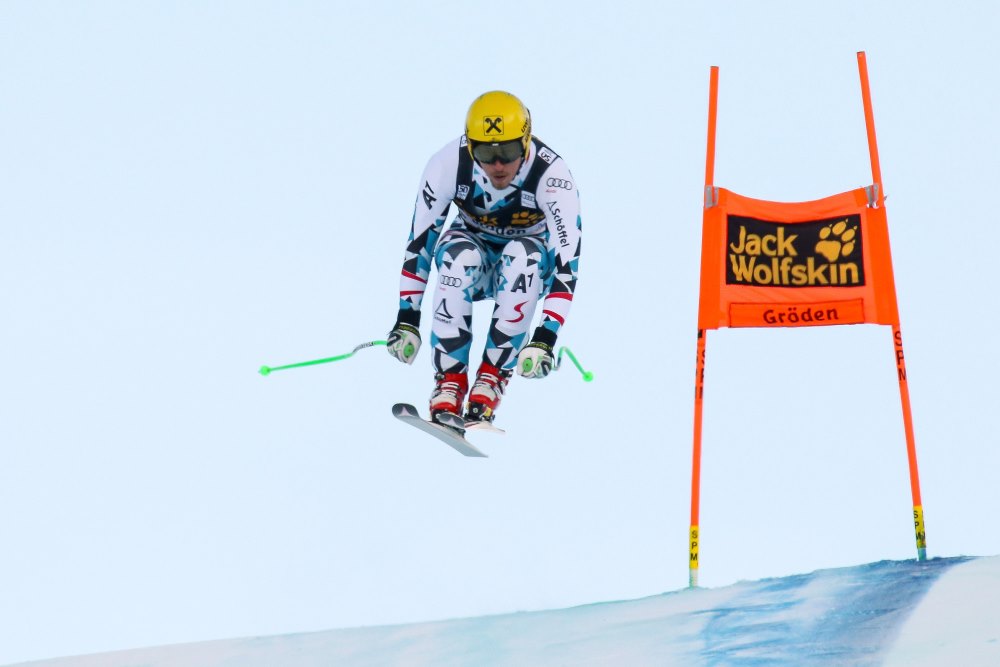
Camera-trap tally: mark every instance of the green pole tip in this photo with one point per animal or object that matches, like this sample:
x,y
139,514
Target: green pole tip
x,y
264,370
588,376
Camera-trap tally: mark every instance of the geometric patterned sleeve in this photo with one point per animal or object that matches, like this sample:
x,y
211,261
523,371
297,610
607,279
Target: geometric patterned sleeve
x,y
560,201
437,189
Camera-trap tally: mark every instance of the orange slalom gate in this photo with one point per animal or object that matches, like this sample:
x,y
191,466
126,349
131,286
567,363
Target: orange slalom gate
x,y
776,264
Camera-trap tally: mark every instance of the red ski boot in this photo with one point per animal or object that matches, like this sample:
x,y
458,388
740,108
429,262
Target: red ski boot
x,y
448,394
486,393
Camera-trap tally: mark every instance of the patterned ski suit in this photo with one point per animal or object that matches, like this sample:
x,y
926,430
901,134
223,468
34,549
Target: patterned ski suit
x,y
515,246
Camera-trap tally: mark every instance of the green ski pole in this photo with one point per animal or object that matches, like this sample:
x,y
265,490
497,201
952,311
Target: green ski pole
x,y
587,375
267,370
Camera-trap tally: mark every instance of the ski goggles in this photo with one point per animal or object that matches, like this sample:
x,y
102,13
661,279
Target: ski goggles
x,y
506,152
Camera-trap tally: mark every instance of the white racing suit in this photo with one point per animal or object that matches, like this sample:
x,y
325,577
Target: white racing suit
x,y
515,246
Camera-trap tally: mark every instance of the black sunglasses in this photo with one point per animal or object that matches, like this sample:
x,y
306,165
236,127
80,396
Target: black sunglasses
x,y
506,152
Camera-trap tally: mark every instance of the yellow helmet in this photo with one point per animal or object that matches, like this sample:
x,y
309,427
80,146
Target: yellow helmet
x,y
495,120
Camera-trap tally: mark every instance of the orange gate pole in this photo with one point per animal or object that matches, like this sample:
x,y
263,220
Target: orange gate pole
x,y
897,336
699,376
699,390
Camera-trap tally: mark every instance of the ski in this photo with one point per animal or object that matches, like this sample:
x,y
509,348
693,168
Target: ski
x,y
449,435
483,426
456,422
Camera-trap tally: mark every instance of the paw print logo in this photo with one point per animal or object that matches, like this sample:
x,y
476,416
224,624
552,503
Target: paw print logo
x,y
836,240
525,218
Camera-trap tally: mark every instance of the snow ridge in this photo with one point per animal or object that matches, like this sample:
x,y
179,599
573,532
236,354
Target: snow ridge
x,y
890,612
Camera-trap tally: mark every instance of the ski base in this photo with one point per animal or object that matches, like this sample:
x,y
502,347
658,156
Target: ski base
x,y
449,435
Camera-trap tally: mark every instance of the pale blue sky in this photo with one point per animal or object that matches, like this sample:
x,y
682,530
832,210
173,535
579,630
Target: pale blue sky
x,y
189,190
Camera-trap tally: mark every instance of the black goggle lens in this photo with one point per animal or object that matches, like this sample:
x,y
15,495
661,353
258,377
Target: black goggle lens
x,y
507,152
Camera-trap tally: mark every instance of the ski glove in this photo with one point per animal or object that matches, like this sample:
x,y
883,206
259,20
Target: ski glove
x,y
403,342
535,360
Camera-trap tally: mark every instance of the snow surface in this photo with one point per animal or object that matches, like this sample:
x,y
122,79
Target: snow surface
x,y
934,613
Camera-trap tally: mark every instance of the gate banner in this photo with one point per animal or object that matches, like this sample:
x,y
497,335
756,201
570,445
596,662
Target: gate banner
x,y
779,264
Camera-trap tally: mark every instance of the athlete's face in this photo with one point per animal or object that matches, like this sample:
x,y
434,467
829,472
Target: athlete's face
x,y
501,174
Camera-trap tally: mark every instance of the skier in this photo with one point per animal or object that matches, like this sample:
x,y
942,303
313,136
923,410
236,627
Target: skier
x,y
515,239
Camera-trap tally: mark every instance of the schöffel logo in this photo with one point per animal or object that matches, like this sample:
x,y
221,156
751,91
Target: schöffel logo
x,y
555,212
817,253
442,314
